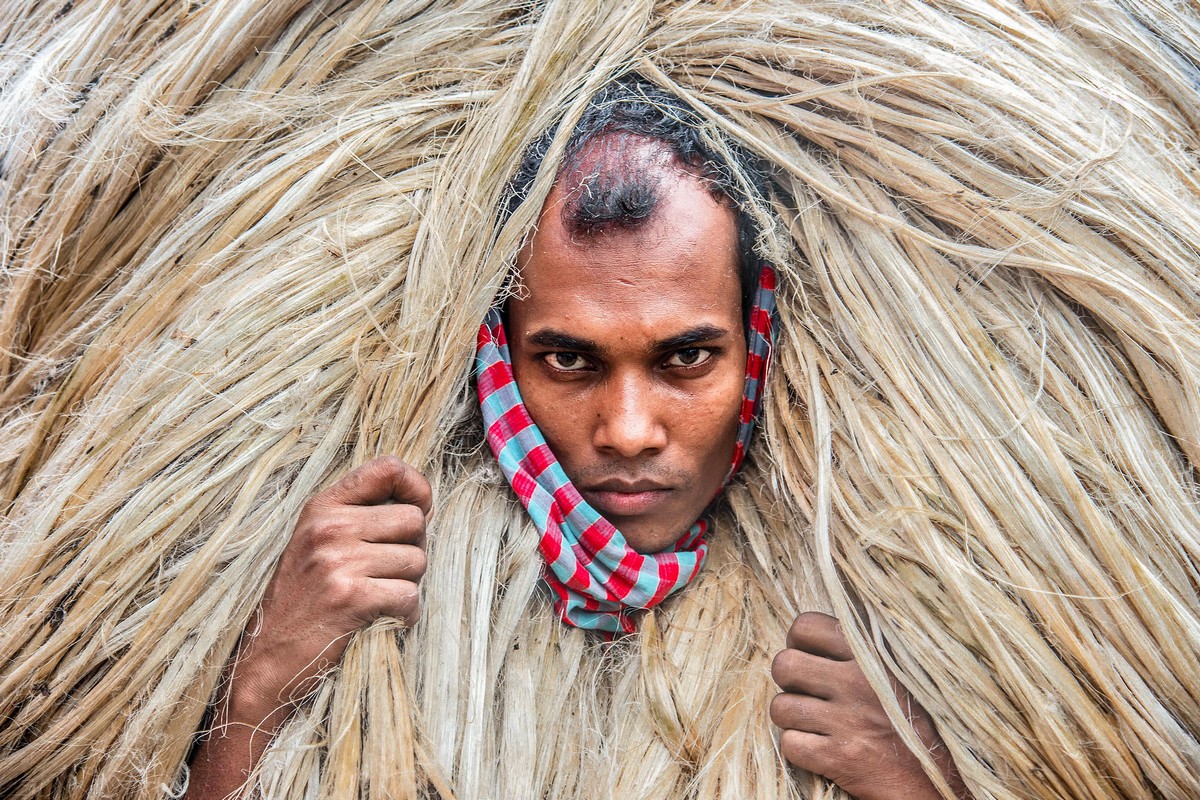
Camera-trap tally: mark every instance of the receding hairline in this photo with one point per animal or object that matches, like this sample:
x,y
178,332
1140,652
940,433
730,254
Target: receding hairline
x,y
635,164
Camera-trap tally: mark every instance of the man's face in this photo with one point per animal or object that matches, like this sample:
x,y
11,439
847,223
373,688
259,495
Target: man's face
x,y
629,352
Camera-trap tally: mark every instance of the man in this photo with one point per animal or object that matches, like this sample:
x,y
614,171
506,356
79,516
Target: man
x,y
249,246
628,342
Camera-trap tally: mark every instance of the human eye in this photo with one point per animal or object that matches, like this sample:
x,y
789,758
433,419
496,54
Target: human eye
x,y
565,361
689,357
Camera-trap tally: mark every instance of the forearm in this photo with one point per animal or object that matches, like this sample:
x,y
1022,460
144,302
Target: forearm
x,y
231,750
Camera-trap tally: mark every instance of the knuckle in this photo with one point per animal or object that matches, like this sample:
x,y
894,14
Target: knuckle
x,y
329,560
798,632
343,592
399,523
354,481
422,484
817,619
416,486
395,470
326,530
384,469
391,464
314,509
399,600
410,595
411,475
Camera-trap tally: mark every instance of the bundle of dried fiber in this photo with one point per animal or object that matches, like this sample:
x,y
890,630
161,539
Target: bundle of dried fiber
x,y
247,245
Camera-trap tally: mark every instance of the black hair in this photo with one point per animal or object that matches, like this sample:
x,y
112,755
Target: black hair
x,y
625,197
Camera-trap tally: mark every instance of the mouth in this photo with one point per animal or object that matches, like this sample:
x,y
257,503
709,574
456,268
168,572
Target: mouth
x,y
616,498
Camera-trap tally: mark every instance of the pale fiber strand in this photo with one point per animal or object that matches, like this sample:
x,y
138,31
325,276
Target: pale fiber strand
x,y
246,246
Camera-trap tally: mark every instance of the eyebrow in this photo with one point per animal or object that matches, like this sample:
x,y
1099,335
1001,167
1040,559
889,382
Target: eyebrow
x,y
548,337
691,337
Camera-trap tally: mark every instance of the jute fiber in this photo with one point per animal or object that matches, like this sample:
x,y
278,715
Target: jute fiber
x,y
246,245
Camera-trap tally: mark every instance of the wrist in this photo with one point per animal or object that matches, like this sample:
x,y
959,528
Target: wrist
x,y
251,710
252,699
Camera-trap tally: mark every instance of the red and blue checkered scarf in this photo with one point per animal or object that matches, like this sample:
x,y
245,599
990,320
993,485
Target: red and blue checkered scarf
x,y
595,577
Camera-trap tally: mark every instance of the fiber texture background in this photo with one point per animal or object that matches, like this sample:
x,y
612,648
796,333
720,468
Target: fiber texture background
x,y
245,246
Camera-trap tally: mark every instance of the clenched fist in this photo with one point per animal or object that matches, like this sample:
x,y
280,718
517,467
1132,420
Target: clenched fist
x,y
356,554
834,724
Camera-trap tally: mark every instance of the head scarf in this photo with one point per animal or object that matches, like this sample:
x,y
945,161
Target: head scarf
x,y
595,577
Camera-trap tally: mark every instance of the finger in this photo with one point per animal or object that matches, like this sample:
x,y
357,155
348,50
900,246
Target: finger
x,y
394,561
821,635
395,523
805,750
803,673
395,598
386,478
803,713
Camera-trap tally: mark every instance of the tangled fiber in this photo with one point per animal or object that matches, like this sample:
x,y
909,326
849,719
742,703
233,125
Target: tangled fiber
x,y
246,245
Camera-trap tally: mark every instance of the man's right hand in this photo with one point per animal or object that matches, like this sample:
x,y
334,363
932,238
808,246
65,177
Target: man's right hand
x,y
357,554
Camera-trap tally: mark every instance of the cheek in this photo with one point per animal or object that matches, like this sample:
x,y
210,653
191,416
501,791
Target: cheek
x,y
716,434
560,421
556,426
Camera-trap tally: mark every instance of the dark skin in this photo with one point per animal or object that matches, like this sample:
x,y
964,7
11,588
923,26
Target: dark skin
x,y
833,724
630,354
356,555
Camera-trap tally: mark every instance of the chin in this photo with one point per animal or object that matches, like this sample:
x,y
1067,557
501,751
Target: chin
x,y
652,539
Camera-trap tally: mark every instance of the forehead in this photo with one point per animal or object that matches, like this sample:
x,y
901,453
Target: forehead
x,y
677,269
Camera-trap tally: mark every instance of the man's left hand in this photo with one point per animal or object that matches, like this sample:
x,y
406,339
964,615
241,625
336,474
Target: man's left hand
x,y
834,724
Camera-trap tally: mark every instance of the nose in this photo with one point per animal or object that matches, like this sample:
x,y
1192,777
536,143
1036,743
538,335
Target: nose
x,y
629,419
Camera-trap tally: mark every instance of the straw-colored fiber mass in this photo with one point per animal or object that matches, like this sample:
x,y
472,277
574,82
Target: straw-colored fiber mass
x,y
245,246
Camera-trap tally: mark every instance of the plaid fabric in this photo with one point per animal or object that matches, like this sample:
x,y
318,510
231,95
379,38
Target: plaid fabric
x,y
596,578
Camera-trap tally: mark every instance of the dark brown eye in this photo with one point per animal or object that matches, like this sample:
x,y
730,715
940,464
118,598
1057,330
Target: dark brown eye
x,y
565,362
689,357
